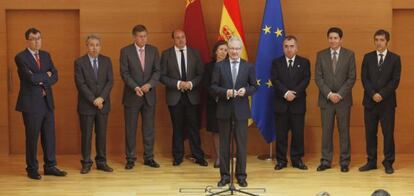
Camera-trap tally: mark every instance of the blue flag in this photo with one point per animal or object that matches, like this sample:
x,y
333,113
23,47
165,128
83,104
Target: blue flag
x,y
270,47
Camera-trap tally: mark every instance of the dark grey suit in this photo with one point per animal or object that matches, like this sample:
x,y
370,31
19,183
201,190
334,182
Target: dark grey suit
x,y
236,109
89,88
340,82
133,76
183,106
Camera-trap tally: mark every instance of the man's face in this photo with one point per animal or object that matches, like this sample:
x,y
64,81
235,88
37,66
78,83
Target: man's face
x,y
290,48
235,48
334,40
141,38
179,39
380,42
34,42
94,47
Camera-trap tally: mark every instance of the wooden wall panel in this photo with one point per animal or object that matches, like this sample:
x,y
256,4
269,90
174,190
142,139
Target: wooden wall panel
x,y
113,21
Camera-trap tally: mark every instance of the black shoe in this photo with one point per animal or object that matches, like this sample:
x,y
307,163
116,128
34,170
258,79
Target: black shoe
x,y
104,167
34,175
177,162
54,171
389,169
300,165
201,162
367,167
323,167
151,163
344,168
280,166
129,165
242,182
85,169
223,182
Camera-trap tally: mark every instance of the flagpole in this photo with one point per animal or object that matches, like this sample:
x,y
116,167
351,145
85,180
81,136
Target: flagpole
x,y
267,157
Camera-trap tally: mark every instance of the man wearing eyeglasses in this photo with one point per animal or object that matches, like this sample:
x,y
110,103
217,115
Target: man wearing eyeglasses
x,y
37,75
233,80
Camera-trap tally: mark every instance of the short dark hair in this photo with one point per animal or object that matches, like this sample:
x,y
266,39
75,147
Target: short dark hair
x,y
290,37
335,30
173,32
383,32
216,46
29,31
380,192
139,28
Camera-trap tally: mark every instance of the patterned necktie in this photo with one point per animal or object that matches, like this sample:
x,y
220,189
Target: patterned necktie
x,y
37,58
334,61
381,61
142,58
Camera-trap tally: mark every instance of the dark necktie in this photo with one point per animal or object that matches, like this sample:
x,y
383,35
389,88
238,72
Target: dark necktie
x,y
95,68
381,61
290,66
37,59
183,72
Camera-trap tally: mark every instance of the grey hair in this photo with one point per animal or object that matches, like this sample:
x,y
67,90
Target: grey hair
x,y
92,36
235,39
323,193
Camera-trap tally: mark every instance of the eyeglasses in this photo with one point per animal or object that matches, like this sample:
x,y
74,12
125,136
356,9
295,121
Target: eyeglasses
x,y
231,48
35,39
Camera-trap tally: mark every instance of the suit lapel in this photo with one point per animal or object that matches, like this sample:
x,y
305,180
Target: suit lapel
x,y
101,67
173,60
88,66
242,68
189,63
227,71
32,60
147,57
135,58
328,58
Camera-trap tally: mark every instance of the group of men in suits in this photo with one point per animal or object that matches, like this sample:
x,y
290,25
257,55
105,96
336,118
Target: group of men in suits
x,y
335,75
180,69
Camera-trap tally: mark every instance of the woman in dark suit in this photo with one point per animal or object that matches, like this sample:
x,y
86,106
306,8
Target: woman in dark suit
x,y
219,54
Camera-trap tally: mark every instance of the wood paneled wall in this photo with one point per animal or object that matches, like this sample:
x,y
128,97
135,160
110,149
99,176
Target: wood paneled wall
x,y
308,20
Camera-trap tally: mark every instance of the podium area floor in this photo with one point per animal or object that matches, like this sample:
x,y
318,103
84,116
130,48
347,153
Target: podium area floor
x,y
193,179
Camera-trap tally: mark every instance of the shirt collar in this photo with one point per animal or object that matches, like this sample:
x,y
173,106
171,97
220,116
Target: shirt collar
x,y
293,59
32,52
138,48
337,51
93,58
384,53
178,49
238,60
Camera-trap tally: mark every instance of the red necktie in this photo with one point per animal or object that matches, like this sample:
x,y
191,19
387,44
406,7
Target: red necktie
x,y
37,60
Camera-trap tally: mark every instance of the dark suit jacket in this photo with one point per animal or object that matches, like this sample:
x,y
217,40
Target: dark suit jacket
x,y
90,88
340,82
297,80
34,80
133,76
170,75
222,81
383,80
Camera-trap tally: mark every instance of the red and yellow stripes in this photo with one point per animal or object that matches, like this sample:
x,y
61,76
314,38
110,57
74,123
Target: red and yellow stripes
x,y
231,23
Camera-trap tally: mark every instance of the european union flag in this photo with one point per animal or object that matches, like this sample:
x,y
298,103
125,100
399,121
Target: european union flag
x,y
270,47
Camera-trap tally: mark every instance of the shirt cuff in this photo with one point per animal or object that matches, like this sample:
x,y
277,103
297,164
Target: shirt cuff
x,y
178,84
329,94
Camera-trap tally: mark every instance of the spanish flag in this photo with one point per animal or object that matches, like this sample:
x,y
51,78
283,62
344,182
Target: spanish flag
x,y
231,23
195,30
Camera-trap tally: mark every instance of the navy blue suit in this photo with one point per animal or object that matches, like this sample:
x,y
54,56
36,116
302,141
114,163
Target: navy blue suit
x,y
35,101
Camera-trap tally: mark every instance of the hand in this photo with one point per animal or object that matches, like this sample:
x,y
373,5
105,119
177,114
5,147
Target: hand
x,y
241,92
138,91
377,97
187,85
182,86
49,73
290,96
231,93
98,102
335,98
145,88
